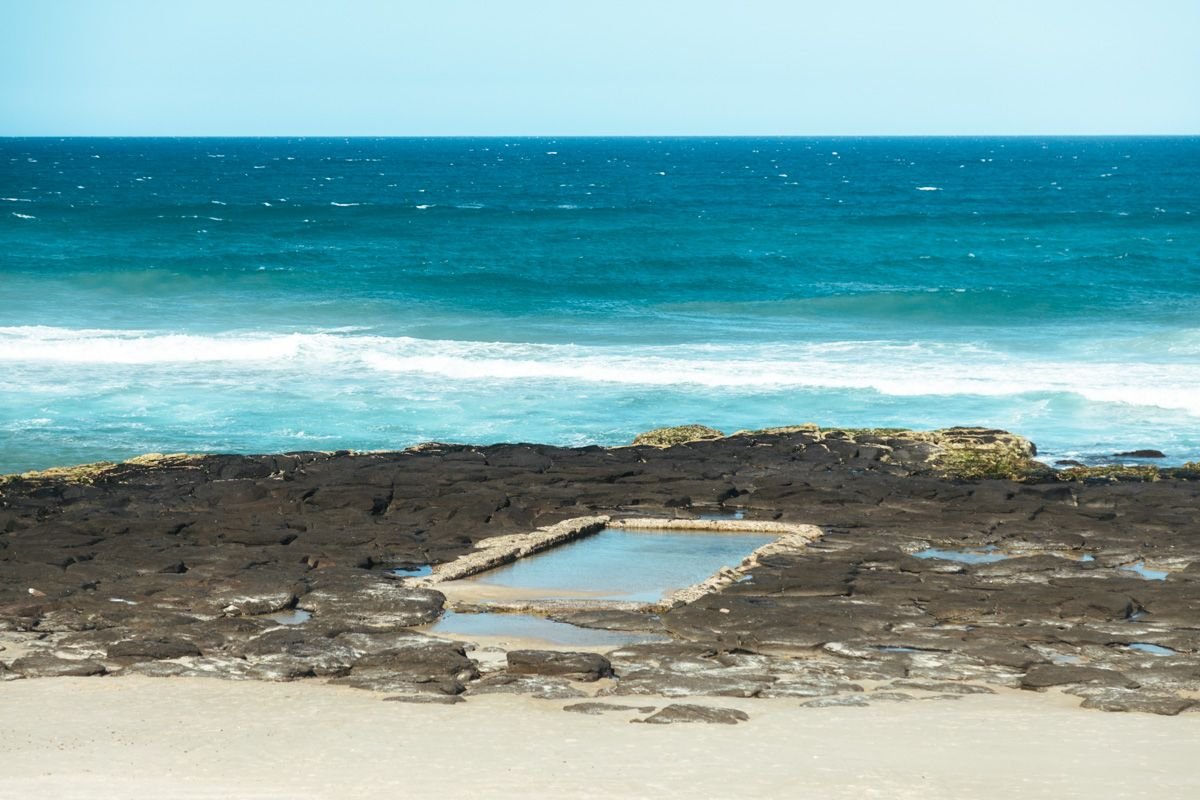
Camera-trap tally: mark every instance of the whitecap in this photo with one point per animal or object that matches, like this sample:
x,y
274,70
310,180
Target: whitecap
x,y
888,367
23,216
345,205
16,199
425,205
929,188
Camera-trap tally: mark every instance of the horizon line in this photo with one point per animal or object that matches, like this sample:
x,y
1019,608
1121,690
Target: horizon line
x,y
598,135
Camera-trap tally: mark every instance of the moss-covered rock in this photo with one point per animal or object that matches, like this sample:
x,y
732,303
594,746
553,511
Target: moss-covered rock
x,y
91,473
982,453
1114,473
680,434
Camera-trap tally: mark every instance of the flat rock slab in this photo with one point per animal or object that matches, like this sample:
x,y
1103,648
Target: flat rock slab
x,y
369,602
841,701
943,687
540,686
595,709
1143,702
385,680
427,699
894,697
1044,676
686,712
576,666
151,649
48,666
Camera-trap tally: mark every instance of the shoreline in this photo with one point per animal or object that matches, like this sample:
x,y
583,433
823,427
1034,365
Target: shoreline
x,y
196,738
1015,457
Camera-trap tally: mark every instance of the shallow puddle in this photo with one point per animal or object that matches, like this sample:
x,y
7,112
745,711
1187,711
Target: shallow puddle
x,y
1149,574
1152,649
524,626
293,616
625,564
982,555
412,572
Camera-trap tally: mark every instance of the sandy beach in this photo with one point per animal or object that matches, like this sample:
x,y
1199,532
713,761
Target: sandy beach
x,y
198,738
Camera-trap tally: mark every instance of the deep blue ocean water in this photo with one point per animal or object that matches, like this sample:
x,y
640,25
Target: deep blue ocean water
x,y
259,295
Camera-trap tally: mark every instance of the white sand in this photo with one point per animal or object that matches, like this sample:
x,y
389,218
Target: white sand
x,y
199,738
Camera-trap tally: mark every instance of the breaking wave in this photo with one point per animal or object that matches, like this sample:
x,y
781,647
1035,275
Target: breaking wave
x,y
904,369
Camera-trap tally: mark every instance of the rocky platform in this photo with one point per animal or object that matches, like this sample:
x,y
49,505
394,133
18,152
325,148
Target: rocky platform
x,y
176,566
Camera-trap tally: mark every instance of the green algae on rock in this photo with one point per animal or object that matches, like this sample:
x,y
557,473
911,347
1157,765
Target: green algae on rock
x,y
680,434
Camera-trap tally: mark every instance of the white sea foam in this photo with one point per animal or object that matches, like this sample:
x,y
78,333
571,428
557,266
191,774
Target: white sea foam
x,y
23,216
16,199
345,205
426,205
929,188
904,369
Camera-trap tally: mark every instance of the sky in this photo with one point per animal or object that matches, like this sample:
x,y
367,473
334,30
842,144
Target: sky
x,y
609,67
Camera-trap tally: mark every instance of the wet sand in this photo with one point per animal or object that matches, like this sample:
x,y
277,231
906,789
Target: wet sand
x,y
197,738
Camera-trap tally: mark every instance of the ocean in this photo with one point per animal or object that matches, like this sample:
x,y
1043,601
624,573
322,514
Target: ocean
x,y
263,295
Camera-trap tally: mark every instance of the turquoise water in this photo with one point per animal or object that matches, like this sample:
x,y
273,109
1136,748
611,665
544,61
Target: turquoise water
x,y
267,294
625,564
984,555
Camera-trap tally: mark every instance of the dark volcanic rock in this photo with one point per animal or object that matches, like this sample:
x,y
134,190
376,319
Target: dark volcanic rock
x,y
1145,702
839,701
1047,675
426,699
1141,454
431,660
595,709
540,686
193,548
576,666
371,602
384,680
686,712
48,666
151,649
943,687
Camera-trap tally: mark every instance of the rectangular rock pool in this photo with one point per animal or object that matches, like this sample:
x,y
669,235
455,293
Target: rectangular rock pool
x,y
620,564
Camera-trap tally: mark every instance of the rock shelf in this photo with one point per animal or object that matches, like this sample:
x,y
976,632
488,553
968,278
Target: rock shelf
x,y
177,566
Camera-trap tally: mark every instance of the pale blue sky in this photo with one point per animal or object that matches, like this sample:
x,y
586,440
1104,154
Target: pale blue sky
x,y
456,67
